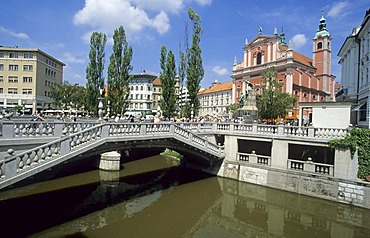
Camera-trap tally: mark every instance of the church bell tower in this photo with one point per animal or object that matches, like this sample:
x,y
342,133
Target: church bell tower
x,y
321,58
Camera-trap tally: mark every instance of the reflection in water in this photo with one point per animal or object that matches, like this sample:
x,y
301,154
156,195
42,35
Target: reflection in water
x,y
173,202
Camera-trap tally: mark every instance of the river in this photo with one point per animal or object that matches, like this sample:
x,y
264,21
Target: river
x,y
154,197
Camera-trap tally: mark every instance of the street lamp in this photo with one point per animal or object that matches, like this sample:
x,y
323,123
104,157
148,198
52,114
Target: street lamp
x,y
100,105
192,111
23,107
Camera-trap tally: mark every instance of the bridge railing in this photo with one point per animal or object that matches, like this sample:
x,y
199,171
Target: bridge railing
x,y
254,158
25,129
14,165
280,130
311,167
32,160
20,129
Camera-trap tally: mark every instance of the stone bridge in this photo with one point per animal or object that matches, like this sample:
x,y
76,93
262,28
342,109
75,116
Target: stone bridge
x,y
86,139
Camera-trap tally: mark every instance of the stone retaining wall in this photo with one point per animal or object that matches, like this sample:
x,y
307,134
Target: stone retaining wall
x,y
338,190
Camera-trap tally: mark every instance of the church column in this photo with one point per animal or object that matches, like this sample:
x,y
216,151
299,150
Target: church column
x,y
269,52
249,59
243,85
233,97
289,81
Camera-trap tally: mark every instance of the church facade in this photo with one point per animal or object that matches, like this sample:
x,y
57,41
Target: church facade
x,y
308,79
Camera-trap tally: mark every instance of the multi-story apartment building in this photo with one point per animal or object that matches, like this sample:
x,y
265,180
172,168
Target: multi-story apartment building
x,y
141,95
27,77
157,94
309,79
215,99
355,69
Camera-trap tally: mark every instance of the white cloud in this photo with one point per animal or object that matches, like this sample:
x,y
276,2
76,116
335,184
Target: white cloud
x,y
337,9
68,57
220,71
106,16
20,35
298,41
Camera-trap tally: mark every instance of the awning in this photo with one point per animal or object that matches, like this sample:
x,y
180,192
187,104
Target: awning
x,y
359,106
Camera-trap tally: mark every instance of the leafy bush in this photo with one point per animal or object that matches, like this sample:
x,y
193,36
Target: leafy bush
x,y
358,139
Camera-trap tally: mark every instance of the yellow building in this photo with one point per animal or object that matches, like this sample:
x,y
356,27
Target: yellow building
x,y
215,100
27,77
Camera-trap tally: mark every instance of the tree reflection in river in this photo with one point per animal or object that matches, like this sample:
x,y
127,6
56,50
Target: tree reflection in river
x,y
173,202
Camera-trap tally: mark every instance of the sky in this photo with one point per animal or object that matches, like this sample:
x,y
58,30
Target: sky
x,y
62,29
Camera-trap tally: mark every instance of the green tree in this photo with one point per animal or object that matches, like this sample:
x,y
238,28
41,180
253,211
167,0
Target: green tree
x,y
182,76
66,94
273,103
94,71
167,75
119,72
182,68
195,71
233,108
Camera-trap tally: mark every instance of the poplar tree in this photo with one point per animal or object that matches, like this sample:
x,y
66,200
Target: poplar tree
x,y
182,71
182,76
94,71
273,103
168,75
195,71
119,72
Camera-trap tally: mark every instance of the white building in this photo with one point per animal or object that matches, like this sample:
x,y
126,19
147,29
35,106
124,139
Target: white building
x,y
141,95
355,79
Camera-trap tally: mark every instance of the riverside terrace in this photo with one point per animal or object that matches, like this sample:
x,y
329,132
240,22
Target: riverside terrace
x,y
283,157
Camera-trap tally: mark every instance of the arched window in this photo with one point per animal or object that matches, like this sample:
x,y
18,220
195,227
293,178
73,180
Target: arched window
x,y
259,58
329,45
319,45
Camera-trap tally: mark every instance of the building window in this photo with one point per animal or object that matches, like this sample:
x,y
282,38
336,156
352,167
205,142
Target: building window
x,y
363,112
26,91
12,90
13,55
28,55
13,67
27,67
319,45
1,54
259,58
1,67
1,90
12,79
1,79
27,79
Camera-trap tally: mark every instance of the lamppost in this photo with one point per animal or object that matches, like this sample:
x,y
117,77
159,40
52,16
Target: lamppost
x,y
23,107
192,111
100,105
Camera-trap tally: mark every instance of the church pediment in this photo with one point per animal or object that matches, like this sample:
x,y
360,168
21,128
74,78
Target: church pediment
x,y
259,40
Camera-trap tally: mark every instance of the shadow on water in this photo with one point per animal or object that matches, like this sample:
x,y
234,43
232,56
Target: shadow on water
x,y
34,208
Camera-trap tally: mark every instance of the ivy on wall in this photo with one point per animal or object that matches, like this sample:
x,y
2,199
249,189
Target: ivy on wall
x,y
358,139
